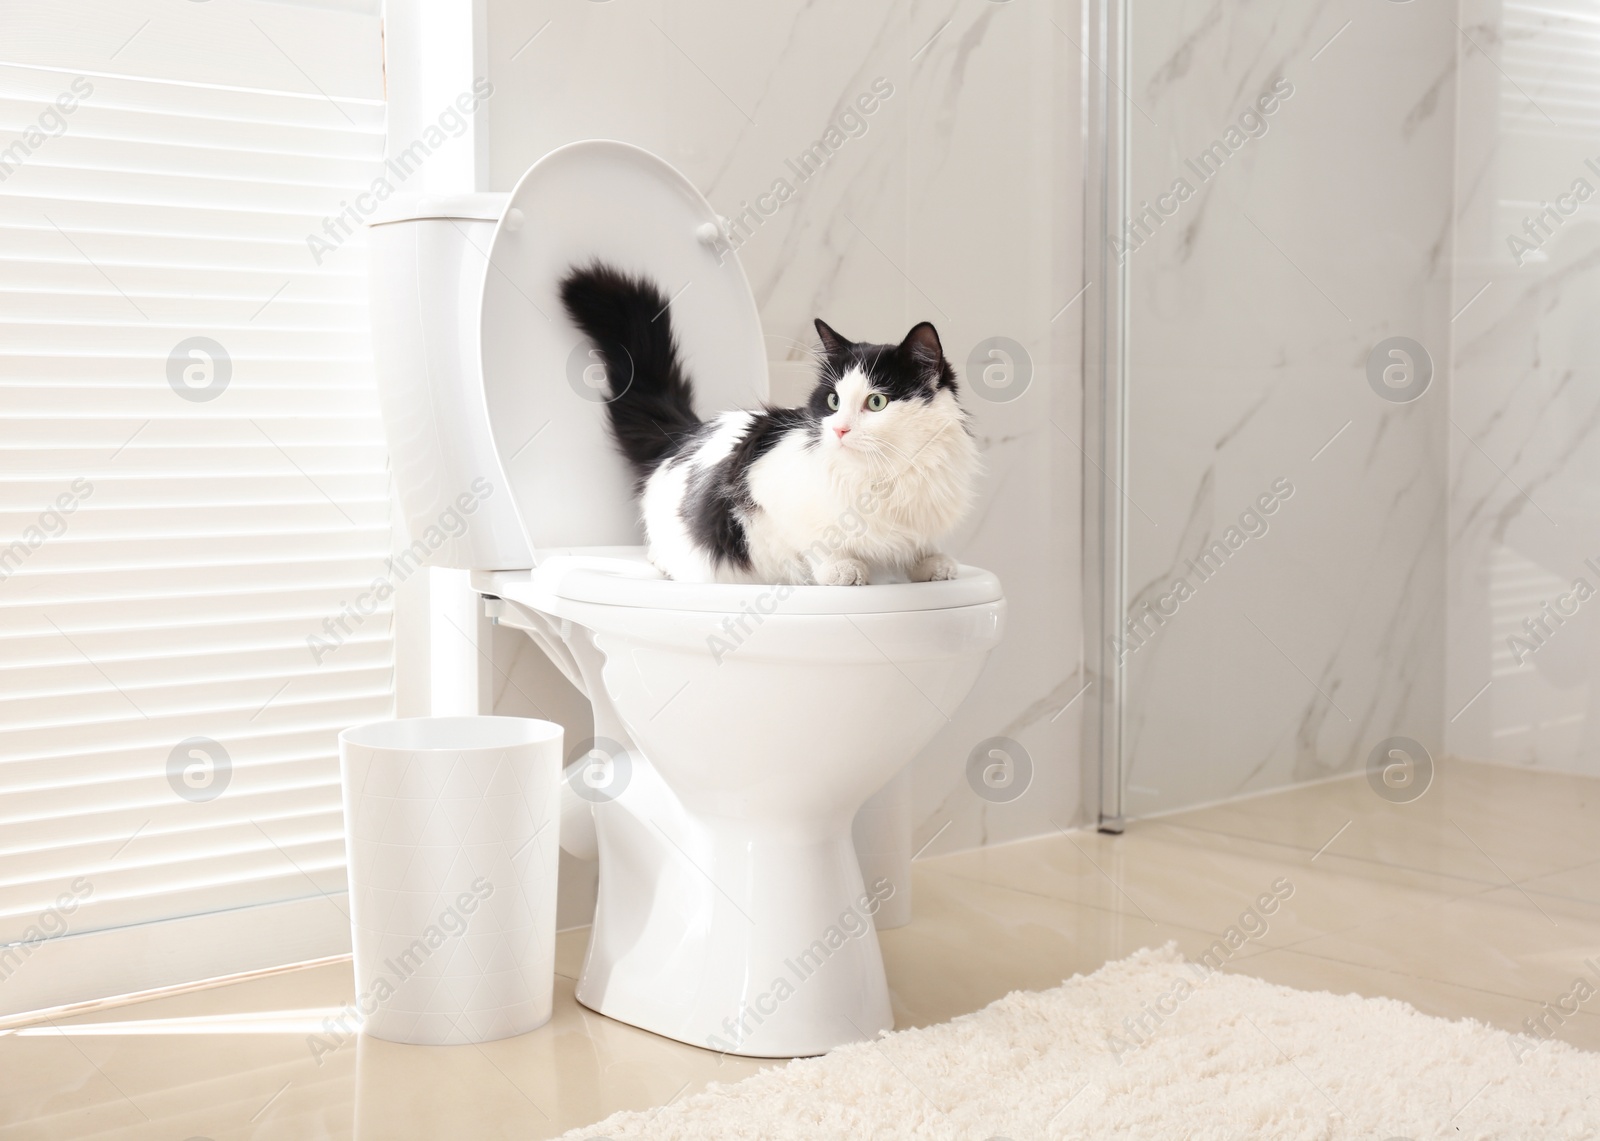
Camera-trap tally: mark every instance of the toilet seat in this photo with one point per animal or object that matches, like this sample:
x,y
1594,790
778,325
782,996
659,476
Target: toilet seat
x,y
622,577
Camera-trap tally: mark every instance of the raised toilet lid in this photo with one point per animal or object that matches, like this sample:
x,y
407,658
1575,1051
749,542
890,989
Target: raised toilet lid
x,y
622,205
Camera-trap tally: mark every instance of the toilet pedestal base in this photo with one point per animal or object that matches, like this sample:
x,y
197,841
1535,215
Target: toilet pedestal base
x,y
728,937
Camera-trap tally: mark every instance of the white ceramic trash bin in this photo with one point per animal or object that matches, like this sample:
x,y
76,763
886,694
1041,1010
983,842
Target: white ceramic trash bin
x,y
451,837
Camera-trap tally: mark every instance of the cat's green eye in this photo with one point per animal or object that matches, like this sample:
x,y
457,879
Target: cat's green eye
x,y
833,401
877,402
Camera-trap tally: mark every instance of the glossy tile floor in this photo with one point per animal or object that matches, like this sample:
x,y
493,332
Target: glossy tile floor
x,y
1480,899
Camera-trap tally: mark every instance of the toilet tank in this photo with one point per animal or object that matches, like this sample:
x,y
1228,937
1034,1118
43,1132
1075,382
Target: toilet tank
x,y
427,257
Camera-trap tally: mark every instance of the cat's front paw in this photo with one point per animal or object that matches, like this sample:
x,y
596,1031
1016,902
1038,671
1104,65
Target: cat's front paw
x,y
935,568
844,572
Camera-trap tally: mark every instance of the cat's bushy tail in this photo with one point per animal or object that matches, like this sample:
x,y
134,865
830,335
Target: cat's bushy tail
x,y
627,320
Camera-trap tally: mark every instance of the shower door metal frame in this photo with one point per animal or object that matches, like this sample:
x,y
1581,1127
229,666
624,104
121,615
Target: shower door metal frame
x,y
1106,158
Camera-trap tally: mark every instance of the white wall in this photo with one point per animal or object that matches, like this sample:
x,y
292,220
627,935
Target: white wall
x,y
960,203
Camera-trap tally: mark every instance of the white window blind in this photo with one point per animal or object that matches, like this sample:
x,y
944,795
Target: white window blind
x,y
192,480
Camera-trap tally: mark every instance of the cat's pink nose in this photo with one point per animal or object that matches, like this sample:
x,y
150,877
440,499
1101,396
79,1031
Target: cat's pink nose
x,y
840,432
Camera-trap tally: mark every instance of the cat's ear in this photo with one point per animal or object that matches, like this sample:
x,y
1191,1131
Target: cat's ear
x,y
922,343
832,343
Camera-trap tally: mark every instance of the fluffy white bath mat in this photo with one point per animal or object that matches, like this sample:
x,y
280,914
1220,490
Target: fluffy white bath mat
x,y
1145,1048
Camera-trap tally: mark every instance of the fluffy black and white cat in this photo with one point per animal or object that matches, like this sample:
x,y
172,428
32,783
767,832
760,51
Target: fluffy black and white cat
x,y
863,479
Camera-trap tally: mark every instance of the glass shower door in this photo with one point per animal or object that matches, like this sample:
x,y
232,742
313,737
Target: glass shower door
x,y
1284,251
1346,397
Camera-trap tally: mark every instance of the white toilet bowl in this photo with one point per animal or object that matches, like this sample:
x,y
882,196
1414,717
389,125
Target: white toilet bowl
x,y
732,913
738,729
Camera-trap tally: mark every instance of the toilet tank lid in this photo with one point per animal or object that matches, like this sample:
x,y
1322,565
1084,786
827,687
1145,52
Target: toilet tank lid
x,y
417,207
